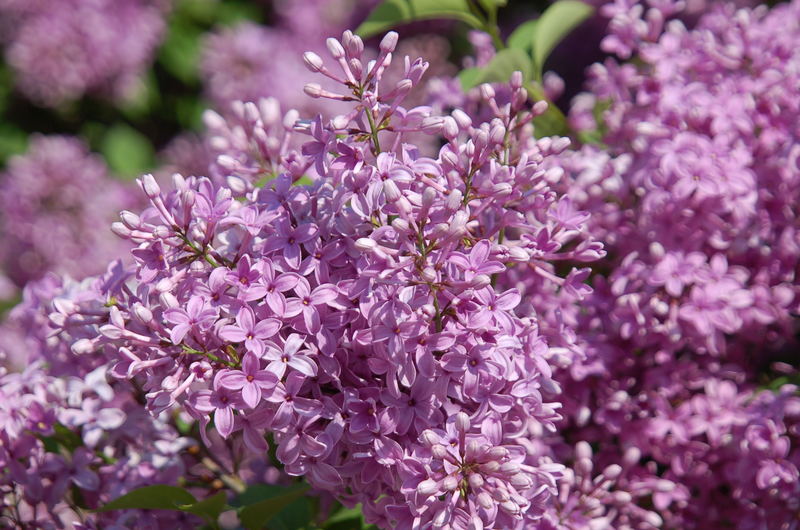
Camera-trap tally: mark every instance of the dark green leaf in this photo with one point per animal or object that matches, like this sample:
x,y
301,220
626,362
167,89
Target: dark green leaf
x,y
390,13
552,122
555,24
347,519
127,151
499,69
181,51
13,141
67,438
491,5
257,514
209,509
157,497
522,37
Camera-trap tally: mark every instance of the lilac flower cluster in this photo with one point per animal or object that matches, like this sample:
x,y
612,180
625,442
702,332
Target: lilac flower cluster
x,y
75,443
48,222
248,61
62,49
692,193
390,300
354,320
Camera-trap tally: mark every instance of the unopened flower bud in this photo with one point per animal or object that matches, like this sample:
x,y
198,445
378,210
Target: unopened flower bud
x,y
583,450
312,61
509,468
365,244
462,119
510,507
82,347
335,48
429,274
144,314
150,186
475,480
487,91
479,281
612,472
485,500
516,80
429,438
454,200
449,128
391,191
428,487
462,422
313,90
401,225
130,219
439,451
389,42
120,229
450,483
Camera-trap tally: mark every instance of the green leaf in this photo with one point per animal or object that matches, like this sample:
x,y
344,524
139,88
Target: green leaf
x,y
555,24
13,141
157,497
522,37
390,13
347,519
490,5
499,69
127,151
209,509
258,514
180,52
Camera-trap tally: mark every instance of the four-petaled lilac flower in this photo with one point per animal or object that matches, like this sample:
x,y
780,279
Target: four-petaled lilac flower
x,y
221,402
288,239
477,262
289,356
245,279
249,331
197,316
251,380
495,307
286,395
307,301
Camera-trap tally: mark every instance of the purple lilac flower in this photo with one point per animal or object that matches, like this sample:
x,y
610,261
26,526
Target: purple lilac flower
x,y
47,218
61,50
326,306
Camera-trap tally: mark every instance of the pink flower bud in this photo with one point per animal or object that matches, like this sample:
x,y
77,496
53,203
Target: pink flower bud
x,y
366,244
389,42
120,229
462,119
313,90
150,186
462,422
428,487
312,61
335,48
391,191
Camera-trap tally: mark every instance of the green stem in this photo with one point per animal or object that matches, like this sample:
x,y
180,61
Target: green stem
x,y
198,250
189,349
373,131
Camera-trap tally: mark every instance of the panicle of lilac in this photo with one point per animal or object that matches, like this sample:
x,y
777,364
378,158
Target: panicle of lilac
x,y
61,50
248,62
55,204
113,447
684,194
350,318
253,144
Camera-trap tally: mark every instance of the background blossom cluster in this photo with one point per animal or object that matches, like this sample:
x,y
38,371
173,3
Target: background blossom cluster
x,y
406,296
